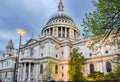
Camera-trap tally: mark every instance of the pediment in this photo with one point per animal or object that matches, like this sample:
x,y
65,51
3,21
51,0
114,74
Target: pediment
x,y
30,41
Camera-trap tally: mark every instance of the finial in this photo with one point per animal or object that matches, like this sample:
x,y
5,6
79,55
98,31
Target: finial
x,y
60,6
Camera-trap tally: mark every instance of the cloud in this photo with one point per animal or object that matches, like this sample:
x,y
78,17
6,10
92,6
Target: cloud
x,y
6,34
32,15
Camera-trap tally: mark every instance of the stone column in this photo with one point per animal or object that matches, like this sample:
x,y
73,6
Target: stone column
x,y
36,70
24,72
53,29
61,32
29,72
70,36
21,72
65,32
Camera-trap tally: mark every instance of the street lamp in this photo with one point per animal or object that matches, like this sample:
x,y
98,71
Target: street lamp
x,y
15,66
20,32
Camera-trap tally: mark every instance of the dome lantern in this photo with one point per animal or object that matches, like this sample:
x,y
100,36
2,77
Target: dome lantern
x,y
60,6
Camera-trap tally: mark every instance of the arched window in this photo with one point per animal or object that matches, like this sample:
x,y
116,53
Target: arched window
x,y
56,69
90,54
91,68
41,69
108,67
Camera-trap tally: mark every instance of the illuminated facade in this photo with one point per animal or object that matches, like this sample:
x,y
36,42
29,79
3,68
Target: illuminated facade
x,y
60,36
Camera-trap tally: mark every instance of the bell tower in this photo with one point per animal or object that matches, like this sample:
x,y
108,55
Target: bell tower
x,y
9,49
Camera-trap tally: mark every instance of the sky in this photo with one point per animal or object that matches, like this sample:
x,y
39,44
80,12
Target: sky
x,y
32,15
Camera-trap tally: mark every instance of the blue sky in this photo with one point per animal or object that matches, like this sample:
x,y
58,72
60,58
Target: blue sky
x,y
32,15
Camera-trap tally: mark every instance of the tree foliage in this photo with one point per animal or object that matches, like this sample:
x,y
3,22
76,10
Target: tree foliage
x,y
115,74
103,24
104,20
49,70
76,65
96,76
110,76
116,71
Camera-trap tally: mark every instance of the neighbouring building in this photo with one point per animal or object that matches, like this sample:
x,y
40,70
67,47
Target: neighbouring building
x,y
7,63
59,36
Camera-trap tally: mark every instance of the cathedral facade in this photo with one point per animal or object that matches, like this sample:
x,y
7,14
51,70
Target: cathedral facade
x,y
60,36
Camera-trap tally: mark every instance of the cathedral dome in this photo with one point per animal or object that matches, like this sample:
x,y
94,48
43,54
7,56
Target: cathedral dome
x,y
60,17
61,25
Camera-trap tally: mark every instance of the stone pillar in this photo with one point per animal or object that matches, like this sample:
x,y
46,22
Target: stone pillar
x,y
36,70
29,72
61,32
24,72
53,33
21,72
65,32
70,32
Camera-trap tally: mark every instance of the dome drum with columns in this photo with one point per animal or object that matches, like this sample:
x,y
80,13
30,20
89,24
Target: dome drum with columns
x,y
61,25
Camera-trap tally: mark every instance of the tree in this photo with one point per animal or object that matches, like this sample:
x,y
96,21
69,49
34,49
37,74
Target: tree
x,y
104,20
102,23
116,71
96,76
76,65
49,70
110,76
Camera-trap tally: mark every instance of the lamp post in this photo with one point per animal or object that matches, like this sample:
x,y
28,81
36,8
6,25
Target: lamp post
x,y
20,32
15,65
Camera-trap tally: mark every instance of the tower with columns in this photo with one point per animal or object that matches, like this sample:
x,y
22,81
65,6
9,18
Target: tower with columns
x,y
7,63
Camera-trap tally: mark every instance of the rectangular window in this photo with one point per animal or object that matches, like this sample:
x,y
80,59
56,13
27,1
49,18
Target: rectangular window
x,y
31,52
